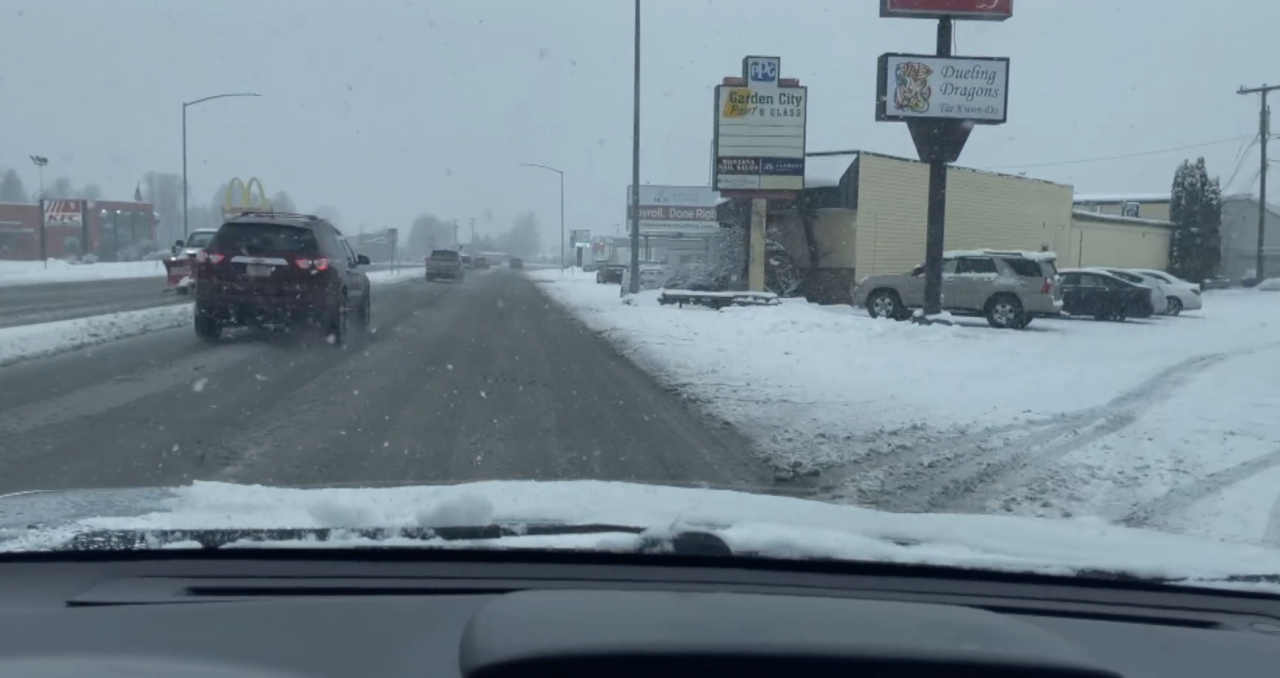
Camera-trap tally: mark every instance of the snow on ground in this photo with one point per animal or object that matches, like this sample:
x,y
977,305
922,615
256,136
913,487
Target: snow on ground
x,y
36,272
1163,422
33,341
772,526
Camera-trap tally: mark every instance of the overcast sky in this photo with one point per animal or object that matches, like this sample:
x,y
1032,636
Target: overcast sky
x,y
389,108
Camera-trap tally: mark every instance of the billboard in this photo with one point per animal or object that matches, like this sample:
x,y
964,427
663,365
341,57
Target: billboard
x,y
760,130
980,10
580,238
960,88
675,210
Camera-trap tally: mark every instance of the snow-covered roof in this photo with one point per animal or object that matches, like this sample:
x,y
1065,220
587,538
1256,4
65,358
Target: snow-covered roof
x,y
1117,219
824,171
1121,197
1034,256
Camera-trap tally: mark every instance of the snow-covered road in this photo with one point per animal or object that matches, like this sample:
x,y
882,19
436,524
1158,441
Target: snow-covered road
x,y
1164,422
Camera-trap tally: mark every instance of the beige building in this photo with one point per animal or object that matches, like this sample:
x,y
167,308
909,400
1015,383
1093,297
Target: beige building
x,y
865,214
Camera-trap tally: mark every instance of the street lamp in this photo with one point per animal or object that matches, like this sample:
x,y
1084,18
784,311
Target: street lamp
x,y
552,169
185,106
40,162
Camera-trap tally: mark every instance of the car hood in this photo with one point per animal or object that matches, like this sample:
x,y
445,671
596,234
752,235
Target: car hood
x,y
761,524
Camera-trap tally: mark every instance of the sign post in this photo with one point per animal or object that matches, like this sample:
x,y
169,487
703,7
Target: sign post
x,y
941,98
393,234
759,145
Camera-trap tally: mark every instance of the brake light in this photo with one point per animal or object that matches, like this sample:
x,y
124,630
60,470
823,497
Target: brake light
x,y
209,257
1047,287
319,263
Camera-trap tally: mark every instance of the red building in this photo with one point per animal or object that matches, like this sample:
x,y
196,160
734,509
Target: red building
x,y
112,230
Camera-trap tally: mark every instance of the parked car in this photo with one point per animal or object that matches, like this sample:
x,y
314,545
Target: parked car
x,y
652,277
480,262
444,264
1159,303
609,273
1009,288
276,268
516,262
1102,295
466,260
1180,294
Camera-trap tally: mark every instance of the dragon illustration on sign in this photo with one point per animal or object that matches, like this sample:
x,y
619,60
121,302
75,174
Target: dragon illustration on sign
x,y
911,87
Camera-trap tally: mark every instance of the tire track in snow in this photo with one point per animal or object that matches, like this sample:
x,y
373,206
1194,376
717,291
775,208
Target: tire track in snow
x,y
1182,498
976,468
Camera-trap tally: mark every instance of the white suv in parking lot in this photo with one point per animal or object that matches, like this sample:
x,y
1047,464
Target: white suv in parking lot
x,y
1009,288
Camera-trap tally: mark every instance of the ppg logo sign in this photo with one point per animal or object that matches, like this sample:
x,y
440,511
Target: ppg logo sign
x,y
761,71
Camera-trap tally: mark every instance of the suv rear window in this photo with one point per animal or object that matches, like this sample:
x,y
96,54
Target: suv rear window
x,y
1026,268
444,254
250,238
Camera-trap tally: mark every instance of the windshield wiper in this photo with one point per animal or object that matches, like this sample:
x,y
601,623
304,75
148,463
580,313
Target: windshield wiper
x,y
693,543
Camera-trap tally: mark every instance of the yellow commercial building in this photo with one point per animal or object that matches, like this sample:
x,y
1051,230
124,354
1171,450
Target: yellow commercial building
x,y
865,214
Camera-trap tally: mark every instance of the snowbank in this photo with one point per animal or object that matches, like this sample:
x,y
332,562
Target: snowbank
x,y
770,525
1069,417
35,272
33,341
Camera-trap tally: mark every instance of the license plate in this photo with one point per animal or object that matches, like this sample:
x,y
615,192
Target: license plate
x,y
259,270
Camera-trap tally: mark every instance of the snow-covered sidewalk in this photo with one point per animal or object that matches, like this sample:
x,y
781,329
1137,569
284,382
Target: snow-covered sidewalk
x,y
33,341
37,273
1120,420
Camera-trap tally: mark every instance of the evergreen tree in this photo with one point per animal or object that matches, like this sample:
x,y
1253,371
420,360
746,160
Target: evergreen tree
x,y
1195,208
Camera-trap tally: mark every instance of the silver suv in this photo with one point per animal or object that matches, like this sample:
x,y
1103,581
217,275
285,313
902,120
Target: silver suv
x,y
1009,288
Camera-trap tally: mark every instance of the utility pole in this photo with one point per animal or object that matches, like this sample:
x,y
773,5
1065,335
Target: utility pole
x,y
1264,130
473,231
635,165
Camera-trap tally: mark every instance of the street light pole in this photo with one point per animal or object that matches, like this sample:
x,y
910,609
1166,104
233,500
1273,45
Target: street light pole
x,y
185,106
561,174
635,165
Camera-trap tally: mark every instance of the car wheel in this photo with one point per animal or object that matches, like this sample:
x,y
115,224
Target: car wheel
x,y
885,304
1175,306
337,330
366,312
1004,312
207,328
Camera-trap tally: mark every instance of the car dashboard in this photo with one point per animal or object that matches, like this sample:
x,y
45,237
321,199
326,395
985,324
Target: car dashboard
x,y
386,613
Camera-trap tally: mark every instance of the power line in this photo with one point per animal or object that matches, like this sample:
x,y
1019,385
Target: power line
x,y
1121,157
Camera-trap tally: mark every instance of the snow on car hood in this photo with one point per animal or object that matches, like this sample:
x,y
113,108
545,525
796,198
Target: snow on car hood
x,y
774,526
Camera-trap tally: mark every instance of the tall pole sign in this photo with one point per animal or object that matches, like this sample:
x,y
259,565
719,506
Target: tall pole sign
x,y
759,141
941,97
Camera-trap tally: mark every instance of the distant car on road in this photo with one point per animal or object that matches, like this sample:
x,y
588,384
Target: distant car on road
x,y
516,262
444,264
181,266
279,269
481,262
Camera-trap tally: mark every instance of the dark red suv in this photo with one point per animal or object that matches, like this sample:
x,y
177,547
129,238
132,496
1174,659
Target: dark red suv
x,y
273,268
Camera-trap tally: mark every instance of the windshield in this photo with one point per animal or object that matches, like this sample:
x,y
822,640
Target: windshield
x,y
460,245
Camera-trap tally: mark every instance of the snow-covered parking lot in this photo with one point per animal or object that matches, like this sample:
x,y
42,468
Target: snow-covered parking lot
x,y
1168,423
